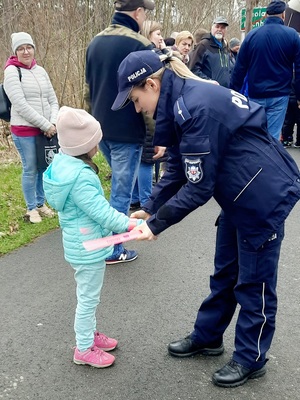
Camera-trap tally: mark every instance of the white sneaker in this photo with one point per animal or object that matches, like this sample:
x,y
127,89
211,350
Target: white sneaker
x,y
33,216
45,211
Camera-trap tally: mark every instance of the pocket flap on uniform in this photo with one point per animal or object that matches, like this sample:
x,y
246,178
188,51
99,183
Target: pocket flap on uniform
x,y
195,146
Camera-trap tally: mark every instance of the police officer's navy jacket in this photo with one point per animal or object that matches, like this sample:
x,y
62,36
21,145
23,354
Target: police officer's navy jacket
x,y
104,55
268,54
219,147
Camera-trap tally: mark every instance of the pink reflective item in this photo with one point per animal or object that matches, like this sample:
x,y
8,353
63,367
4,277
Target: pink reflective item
x,y
96,244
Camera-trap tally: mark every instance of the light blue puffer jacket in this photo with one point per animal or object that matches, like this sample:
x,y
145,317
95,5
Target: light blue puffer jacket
x,y
74,190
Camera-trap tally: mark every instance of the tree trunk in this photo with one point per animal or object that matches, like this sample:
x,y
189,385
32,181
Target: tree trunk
x,y
250,4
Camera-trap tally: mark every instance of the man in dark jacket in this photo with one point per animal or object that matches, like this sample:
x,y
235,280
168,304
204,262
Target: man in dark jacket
x,y
210,59
267,56
123,131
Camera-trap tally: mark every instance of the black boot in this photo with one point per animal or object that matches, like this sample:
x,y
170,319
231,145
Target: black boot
x,y
234,374
187,348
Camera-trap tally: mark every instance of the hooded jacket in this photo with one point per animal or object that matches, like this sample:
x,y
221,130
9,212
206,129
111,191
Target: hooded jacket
x,y
219,147
74,190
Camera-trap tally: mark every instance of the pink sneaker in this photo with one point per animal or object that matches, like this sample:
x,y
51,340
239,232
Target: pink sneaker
x,y
94,357
103,342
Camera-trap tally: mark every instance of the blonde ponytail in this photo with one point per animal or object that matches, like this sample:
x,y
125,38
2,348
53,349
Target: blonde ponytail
x,y
172,62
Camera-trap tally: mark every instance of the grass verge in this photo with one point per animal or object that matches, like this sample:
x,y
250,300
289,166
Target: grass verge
x,y
14,231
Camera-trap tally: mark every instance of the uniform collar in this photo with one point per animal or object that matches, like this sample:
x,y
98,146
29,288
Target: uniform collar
x,y
171,88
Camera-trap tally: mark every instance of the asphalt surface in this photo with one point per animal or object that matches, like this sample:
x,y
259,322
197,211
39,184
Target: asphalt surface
x,y
145,304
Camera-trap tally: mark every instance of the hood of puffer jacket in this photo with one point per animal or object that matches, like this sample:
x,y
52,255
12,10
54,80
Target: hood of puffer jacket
x,y
59,179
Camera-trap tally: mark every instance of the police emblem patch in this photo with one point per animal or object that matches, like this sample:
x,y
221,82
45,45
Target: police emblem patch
x,y
49,155
193,170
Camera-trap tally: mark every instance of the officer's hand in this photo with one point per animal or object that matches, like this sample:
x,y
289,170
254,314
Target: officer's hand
x,y
146,232
141,214
159,152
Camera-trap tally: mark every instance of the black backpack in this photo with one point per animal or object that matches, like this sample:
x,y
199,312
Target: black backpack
x,y
5,104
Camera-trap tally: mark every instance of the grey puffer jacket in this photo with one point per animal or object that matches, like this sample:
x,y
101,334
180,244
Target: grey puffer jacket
x,y
33,99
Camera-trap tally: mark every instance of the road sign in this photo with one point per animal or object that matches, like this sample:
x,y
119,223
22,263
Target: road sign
x,y
258,16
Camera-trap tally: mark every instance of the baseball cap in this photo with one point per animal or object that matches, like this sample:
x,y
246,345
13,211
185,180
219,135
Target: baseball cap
x,y
131,5
136,67
220,20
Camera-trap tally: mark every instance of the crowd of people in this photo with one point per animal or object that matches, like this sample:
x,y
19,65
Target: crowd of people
x,y
202,106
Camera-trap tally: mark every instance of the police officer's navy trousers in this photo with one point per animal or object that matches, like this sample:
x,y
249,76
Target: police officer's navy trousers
x,y
247,277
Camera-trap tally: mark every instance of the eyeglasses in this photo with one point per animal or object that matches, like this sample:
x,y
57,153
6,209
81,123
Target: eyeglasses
x,y
23,49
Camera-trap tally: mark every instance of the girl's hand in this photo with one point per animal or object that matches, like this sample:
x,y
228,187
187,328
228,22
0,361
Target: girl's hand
x,y
141,214
146,232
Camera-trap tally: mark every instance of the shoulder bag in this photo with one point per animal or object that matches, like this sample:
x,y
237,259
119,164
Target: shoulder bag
x,y
5,104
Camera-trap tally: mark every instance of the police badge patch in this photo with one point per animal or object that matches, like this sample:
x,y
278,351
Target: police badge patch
x,y
49,155
193,170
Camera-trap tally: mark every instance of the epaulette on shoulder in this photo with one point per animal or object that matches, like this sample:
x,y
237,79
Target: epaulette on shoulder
x,y
181,112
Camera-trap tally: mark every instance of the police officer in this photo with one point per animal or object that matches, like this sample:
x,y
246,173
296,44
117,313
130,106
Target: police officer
x,y
218,147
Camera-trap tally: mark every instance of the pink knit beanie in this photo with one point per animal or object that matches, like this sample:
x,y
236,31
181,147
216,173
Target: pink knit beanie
x,y
78,132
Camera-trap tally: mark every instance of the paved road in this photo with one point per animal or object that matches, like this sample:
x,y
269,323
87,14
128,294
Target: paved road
x,y
145,304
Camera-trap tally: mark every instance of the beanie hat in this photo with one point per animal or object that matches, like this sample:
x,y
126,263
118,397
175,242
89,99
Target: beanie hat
x,y
20,38
234,42
276,7
78,131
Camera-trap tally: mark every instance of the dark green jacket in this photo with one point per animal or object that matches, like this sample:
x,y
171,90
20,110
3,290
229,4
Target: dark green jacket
x,y
210,61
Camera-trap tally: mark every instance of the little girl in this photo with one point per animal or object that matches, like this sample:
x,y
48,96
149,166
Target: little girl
x,y
73,188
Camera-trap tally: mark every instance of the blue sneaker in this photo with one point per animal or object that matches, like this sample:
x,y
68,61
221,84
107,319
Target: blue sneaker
x,y
125,256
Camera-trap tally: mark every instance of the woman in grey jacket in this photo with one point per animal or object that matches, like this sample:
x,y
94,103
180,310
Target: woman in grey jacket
x,y
34,110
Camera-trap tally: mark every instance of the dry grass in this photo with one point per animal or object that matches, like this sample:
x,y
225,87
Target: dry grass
x,y
8,152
